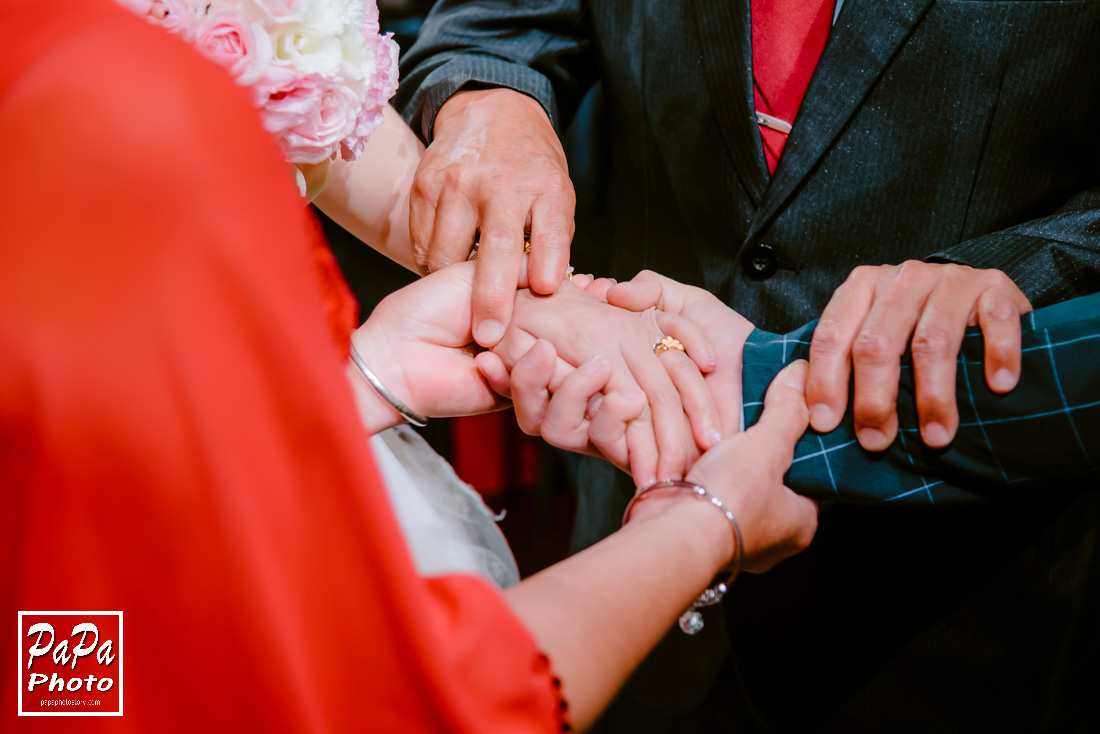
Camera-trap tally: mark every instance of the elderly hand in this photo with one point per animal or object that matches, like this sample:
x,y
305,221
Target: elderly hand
x,y
494,168
868,324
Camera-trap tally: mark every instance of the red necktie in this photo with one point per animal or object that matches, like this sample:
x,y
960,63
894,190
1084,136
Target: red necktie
x,y
788,37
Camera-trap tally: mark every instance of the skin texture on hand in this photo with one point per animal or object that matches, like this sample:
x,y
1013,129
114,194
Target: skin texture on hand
x,y
870,321
494,169
746,472
581,325
724,328
417,341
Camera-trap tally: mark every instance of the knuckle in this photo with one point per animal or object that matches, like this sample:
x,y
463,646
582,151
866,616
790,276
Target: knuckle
x,y
496,295
665,397
873,347
1001,345
498,240
998,308
932,343
828,336
557,180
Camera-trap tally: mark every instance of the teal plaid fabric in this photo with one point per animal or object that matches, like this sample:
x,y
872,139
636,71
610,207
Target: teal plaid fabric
x,y
1007,446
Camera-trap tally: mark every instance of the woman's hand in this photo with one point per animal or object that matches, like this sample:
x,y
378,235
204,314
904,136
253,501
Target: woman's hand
x,y
581,325
746,473
575,415
725,329
418,343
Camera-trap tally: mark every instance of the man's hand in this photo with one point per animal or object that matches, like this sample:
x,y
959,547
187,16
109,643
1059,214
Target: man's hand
x,y
867,326
495,167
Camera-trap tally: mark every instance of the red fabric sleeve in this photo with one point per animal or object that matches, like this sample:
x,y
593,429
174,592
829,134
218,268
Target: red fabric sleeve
x,y
177,437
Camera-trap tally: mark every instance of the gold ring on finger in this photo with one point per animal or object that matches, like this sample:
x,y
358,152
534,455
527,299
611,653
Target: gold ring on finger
x,y
666,343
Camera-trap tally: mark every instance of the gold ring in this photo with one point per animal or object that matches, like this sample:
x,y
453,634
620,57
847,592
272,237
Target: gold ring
x,y
666,343
526,247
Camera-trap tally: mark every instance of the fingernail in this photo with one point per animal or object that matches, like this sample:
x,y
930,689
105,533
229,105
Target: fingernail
x,y
796,375
593,407
632,393
1002,381
935,435
873,439
489,331
613,281
651,479
715,437
822,418
592,366
534,356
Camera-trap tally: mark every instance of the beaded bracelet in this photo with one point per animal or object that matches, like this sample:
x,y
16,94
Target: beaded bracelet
x,y
408,413
691,621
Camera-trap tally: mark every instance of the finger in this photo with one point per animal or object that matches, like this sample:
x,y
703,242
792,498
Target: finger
x,y
876,358
454,230
935,349
785,416
695,397
530,386
641,442
492,368
566,423
423,199
998,314
666,409
831,349
696,344
685,370
582,280
637,294
607,429
500,255
551,233
599,287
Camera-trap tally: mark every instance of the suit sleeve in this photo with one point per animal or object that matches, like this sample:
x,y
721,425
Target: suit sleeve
x,y
1050,259
1043,437
538,47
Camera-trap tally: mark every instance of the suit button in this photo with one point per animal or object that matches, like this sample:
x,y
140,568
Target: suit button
x,y
760,261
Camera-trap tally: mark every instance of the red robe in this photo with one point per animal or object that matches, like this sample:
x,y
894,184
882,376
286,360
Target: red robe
x,y
177,436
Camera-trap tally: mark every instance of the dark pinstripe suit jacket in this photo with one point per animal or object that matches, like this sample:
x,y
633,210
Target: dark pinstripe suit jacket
x,y
962,130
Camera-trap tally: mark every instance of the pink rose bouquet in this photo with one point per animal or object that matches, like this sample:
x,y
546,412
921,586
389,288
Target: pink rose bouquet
x,y
318,70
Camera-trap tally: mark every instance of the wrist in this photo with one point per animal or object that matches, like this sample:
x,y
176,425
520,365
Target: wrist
x,y
378,411
708,526
485,105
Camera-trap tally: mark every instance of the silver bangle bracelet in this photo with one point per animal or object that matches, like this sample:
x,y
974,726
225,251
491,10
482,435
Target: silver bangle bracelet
x,y
691,621
408,413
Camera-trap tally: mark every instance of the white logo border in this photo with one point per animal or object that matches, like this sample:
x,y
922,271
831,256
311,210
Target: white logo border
x,y
19,675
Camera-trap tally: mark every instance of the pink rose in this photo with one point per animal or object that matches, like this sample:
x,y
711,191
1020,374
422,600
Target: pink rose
x,y
309,114
241,47
382,85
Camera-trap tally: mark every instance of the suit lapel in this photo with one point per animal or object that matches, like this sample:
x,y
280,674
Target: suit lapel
x,y
725,34
865,38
